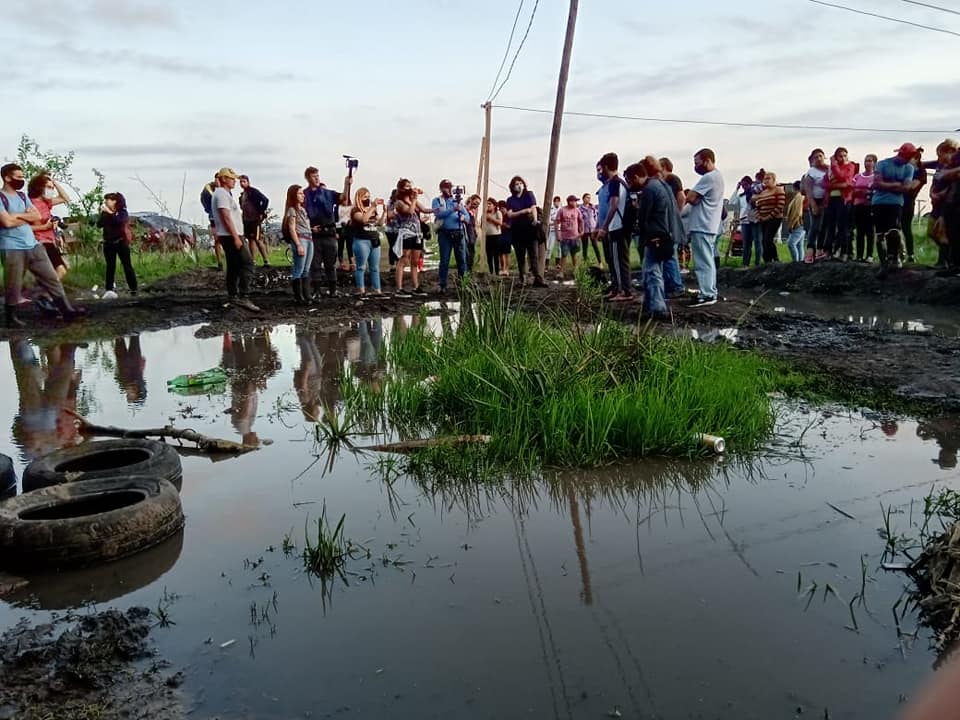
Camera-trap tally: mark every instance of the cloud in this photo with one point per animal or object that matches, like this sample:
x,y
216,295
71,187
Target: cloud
x,y
126,14
119,14
168,149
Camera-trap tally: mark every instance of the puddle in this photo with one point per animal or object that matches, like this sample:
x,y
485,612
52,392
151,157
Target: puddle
x,y
664,589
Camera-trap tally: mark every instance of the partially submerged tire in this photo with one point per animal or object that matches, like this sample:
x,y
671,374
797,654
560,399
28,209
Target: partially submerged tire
x,y
104,459
87,522
8,478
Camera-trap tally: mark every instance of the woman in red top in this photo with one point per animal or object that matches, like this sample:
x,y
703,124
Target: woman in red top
x,y
839,182
45,193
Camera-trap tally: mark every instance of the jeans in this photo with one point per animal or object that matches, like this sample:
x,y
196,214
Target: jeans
x,y
239,266
112,251
768,231
301,265
324,261
653,282
17,262
836,230
672,280
585,241
703,244
795,244
367,255
451,240
813,224
620,261
752,241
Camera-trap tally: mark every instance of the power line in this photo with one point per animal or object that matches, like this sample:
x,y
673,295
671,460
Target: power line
x,y
506,52
932,7
686,121
513,62
886,17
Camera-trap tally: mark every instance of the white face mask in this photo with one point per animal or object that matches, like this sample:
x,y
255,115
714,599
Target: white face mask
x,y
518,188
51,194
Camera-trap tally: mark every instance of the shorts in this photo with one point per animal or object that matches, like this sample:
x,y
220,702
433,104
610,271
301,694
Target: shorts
x,y
413,243
568,248
251,229
53,252
505,246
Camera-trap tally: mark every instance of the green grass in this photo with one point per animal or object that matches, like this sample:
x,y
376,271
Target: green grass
x,y
325,556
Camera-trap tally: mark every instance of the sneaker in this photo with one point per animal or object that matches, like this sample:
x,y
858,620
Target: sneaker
x,y
109,295
246,304
419,291
702,301
402,294
677,295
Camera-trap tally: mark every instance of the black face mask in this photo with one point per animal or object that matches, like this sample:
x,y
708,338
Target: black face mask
x,y
17,184
366,203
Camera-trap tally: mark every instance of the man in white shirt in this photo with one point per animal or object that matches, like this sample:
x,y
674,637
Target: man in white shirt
x,y
706,213
228,225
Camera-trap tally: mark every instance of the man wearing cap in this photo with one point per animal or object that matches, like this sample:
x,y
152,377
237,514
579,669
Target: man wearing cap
x,y
892,179
253,207
452,217
228,225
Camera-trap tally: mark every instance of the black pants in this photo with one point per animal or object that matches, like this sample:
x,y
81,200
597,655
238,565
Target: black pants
x,y
324,264
525,246
391,239
344,243
585,241
492,243
471,255
769,229
239,266
836,219
863,219
951,219
112,251
885,219
619,243
906,223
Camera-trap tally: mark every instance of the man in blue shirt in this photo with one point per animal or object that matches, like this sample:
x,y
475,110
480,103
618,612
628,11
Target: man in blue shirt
x,y
21,251
891,181
452,218
323,207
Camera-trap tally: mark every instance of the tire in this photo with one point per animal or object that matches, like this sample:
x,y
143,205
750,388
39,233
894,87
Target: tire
x,y
104,459
8,478
87,522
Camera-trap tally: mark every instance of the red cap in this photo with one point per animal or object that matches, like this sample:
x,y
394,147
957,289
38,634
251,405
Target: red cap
x,y
907,150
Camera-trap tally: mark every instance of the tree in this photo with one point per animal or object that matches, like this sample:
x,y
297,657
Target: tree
x,y
34,161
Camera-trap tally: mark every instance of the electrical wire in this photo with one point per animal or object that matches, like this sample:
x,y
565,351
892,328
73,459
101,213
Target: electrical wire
x,y
932,7
886,17
774,126
513,62
506,53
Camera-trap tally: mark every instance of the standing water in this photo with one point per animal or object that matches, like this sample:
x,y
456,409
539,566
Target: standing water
x,y
655,589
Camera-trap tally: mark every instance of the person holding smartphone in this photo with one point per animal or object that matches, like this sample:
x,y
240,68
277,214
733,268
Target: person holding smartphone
x,y
409,244
115,221
46,193
365,231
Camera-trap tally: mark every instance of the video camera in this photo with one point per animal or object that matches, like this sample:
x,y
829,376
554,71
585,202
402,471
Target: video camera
x,y
458,192
352,162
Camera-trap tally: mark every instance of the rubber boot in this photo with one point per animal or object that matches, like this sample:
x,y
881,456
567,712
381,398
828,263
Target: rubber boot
x,y
332,288
307,291
68,311
297,286
12,320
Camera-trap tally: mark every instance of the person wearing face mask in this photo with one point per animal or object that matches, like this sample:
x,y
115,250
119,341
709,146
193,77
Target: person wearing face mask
x,y
706,201
892,180
552,235
616,242
115,221
862,214
522,214
20,250
45,193
569,229
836,220
366,241
409,243
452,216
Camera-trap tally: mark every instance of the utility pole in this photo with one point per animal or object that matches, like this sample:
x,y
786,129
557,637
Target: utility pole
x,y
483,187
558,117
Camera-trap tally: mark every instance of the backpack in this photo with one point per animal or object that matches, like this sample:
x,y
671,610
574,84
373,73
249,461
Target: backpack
x,y
206,199
6,203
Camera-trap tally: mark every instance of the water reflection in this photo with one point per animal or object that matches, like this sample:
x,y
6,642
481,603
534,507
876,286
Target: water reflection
x,y
250,360
946,432
129,367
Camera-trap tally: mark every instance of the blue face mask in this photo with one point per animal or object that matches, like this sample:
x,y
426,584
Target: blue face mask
x,y
600,176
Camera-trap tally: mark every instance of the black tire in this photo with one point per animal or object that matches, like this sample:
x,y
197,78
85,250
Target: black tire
x,y
8,478
104,459
87,522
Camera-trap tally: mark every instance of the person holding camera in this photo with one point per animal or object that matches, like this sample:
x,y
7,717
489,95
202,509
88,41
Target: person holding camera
x,y
409,243
522,214
45,193
323,207
365,231
452,218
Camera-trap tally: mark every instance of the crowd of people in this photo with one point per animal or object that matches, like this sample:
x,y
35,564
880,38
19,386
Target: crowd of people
x,y
838,210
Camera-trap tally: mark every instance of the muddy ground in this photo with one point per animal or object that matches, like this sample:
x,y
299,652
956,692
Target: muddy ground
x,y
82,667
923,368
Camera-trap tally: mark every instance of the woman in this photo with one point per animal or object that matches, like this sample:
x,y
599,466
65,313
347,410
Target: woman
x,y
910,202
492,229
506,240
297,232
839,191
862,212
407,211
366,241
569,223
522,214
938,193
115,221
769,204
45,193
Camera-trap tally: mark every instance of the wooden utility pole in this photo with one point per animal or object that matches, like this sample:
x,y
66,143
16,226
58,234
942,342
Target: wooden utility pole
x,y
558,115
483,187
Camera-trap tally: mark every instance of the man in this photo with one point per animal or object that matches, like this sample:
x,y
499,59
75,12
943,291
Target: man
x,y
21,252
452,218
206,200
253,207
910,202
590,220
552,235
322,205
613,202
893,179
814,190
228,225
706,213
472,227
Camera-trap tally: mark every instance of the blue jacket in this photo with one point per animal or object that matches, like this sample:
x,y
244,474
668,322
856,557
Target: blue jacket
x,y
452,217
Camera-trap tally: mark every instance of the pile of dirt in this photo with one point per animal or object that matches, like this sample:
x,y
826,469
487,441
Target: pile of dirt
x,y
936,594
92,666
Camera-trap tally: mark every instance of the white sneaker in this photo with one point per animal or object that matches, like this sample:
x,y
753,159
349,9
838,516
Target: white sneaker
x,y
109,295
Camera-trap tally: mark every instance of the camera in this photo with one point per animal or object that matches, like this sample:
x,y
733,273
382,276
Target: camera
x,y
352,162
458,192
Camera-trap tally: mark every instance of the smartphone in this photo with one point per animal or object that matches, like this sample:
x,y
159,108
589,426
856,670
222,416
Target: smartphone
x,y
379,201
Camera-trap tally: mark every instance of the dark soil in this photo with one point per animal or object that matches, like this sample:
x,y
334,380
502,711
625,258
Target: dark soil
x,y
80,668
916,368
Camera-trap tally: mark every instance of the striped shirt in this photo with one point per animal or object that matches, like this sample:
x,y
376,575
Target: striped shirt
x,y
770,204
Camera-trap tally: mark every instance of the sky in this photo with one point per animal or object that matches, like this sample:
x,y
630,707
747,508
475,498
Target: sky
x,y
159,94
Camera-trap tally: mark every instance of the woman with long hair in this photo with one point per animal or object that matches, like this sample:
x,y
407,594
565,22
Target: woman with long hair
x,y
45,193
366,240
522,214
862,212
506,239
839,189
297,232
407,211
115,221
769,204
493,229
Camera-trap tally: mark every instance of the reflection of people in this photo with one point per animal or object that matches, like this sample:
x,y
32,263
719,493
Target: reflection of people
x,y
368,366
129,369
946,432
253,361
46,393
316,381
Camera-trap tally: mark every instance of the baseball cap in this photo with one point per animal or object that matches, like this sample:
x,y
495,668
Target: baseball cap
x,y
907,150
226,172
